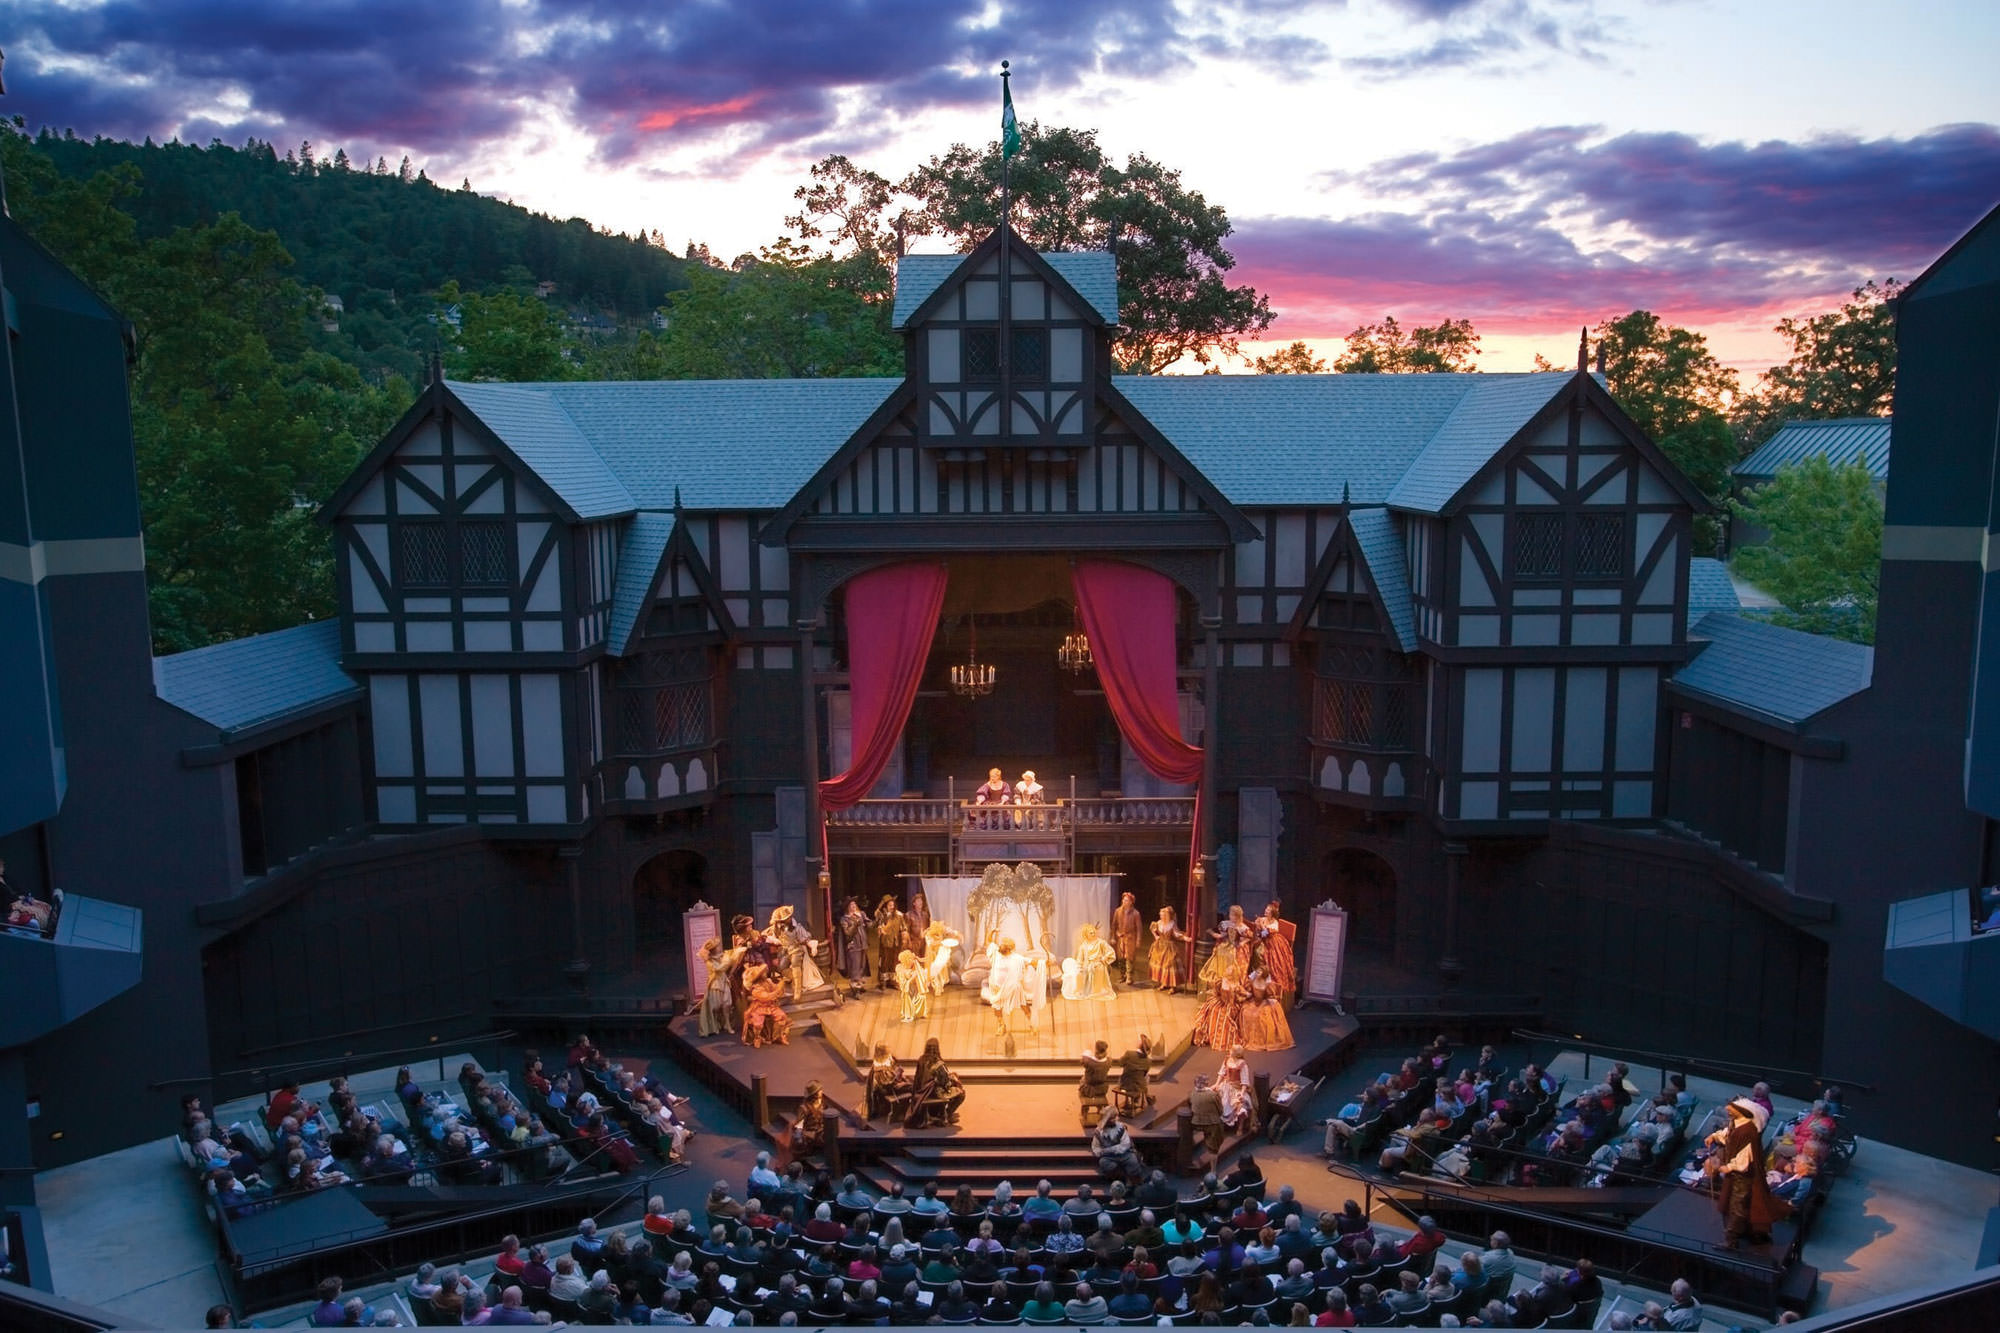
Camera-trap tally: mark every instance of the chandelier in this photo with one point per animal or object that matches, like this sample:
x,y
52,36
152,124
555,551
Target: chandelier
x,y
1074,655
972,677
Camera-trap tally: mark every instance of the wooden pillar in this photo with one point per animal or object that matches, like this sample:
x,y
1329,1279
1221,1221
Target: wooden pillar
x,y
1211,761
760,1102
809,733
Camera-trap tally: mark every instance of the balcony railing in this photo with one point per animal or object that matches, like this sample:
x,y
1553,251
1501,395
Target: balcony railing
x,y
1084,813
1128,811
917,812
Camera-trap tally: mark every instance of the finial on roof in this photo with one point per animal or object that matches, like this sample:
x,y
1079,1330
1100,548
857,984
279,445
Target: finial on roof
x,y
434,371
677,499
1343,495
1583,350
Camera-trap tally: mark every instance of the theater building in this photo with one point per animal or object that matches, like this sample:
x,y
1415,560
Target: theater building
x,y
1433,646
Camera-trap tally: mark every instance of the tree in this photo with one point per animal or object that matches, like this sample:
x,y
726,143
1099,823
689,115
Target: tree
x,y
1823,558
1174,298
784,313
847,207
1843,364
1386,349
504,334
1294,359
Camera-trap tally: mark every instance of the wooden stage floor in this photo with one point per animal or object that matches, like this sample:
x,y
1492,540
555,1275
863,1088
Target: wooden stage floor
x,y
967,1028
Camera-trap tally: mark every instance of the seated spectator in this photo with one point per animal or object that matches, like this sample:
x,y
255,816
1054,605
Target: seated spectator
x,y
942,1269
510,1262
1043,1308
1041,1208
1408,1298
1003,1204
1470,1275
1182,1228
330,1312
1370,1308
901,1270
1084,1205
852,1196
1413,1148
867,1306
1336,1314
999,1307
1263,1248
1685,1312
1424,1240
512,1309
1086,1307
628,1308
1582,1283
1297,1283
928,1204
822,1227
1063,1240
567,1282
536,1275
1251,1287
1129,1302
599,1296
287,1102
1250,1217
1497,1260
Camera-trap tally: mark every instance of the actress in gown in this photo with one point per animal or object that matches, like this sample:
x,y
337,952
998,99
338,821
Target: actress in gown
x,y
1232,952
1265,1027
1274,953
1239,1100
1090,978
1219,1023
913,983
718,999
1165,959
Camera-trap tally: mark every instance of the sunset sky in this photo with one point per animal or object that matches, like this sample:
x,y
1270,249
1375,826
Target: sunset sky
x,y
1532,165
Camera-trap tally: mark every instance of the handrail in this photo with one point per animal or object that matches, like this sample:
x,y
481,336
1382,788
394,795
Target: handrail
x,y
913,811
347,1060
1675,1061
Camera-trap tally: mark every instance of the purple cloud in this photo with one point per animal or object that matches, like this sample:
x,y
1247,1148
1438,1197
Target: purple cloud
x,y
1503,232
446,79
1475,34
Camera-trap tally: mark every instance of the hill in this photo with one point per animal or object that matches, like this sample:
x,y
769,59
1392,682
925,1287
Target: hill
x,y
381,238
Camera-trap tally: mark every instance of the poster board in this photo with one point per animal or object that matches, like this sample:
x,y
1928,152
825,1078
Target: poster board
x,y
699,924
1326,953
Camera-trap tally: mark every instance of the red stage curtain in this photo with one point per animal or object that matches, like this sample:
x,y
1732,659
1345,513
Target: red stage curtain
x,y
892,615
1129,614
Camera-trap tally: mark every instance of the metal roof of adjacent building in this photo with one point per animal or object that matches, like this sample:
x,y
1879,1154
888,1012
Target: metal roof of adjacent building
x,y
1710,588
1093,274
1492,410
530,422
1379,535
243,683
1863,440
638,563
1772,672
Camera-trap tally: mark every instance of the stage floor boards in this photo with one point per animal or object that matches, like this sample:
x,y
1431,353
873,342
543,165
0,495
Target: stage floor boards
x,y
967,1028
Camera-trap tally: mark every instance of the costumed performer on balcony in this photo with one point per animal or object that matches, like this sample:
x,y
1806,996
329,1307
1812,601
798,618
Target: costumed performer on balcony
x,y
994,791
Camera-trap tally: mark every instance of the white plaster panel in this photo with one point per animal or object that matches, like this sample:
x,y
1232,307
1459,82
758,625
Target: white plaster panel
x,y
778,658
367,597
486,604
1473,589
1246,654
1478,800
426,605
1653,629
444,738
1659,589
547,805
1537,630
1534,719
428,475
1059,307
1593,628
492,727
982,300
733,550
1597,596
529,541
1479,631
489,636
409,502
396,805
1595,431
1653,488
1481,727
1638,711
1583,720
940,422
944,356
1290,538
370,499
541,636
1538,596
1529,491
1631,800
1589,465
389,716
425,441
1249,610
1250,560
1065,355
427,636
547,593
541,726
374,636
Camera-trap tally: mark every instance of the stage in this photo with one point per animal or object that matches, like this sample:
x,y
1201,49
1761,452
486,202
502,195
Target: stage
x,y
967,1030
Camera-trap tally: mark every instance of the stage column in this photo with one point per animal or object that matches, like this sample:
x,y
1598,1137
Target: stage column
x,y
1454,870
1211,760
809,731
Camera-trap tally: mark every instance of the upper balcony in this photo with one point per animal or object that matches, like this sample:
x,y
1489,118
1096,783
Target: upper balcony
x,y
1057,834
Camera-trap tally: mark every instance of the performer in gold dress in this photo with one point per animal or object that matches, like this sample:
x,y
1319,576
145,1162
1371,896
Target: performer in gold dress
x,y
1232,952
764,1020
913,980
1274,951
718,1001
1088,975
1165,959
1265,1027
1219,1022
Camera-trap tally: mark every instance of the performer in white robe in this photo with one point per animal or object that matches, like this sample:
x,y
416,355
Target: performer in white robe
x,y
1005,974
941,945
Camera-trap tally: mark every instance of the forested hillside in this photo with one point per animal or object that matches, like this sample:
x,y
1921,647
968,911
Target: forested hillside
x,y
380,236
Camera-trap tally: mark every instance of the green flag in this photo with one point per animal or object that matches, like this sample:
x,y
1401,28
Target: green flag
x,y
1010,133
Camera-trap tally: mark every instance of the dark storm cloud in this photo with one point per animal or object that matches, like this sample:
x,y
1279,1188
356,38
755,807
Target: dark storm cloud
x,y
1707,230
446,79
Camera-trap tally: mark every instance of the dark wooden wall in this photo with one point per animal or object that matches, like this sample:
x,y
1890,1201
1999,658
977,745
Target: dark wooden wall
x,y
1730,787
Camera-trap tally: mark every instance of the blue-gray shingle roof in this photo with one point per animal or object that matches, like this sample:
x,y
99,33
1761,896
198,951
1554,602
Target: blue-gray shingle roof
x,y
1710,588
1863,440
1381,541
1776,673
1093,274
1493,408
723,444
638,562
532,424
1292,440
237,685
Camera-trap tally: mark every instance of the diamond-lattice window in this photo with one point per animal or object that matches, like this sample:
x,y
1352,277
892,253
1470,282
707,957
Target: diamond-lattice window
x,y
1600,546
1538,546
422,555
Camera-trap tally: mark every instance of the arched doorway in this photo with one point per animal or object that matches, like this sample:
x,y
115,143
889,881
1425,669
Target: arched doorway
x,y
1365,885
665,887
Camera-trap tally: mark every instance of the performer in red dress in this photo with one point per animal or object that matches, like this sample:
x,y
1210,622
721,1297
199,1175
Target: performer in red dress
x,y
1274,947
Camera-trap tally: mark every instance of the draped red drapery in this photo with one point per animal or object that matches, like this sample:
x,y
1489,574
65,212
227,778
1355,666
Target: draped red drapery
x,y
892,615
1130,615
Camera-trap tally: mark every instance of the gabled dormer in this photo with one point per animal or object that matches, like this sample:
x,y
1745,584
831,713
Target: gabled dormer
x,y
1057,311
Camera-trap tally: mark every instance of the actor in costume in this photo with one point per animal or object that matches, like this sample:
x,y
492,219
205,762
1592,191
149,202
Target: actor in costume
x,y
1231,957
1219,1023
1028,791
1087,976
854,946
1006,973
799,946
1134,1069
1264,1025
1736,1160
941,945
1274,937
888,1085
916,923
913,981
718,1001
1165,959
1239,1100
994,791
1094,1088
1128,932
765,1021
939,1093
809,1130
888,940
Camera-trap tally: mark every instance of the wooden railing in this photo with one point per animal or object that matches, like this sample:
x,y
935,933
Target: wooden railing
x,y
1085,812
1152,811
905,812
